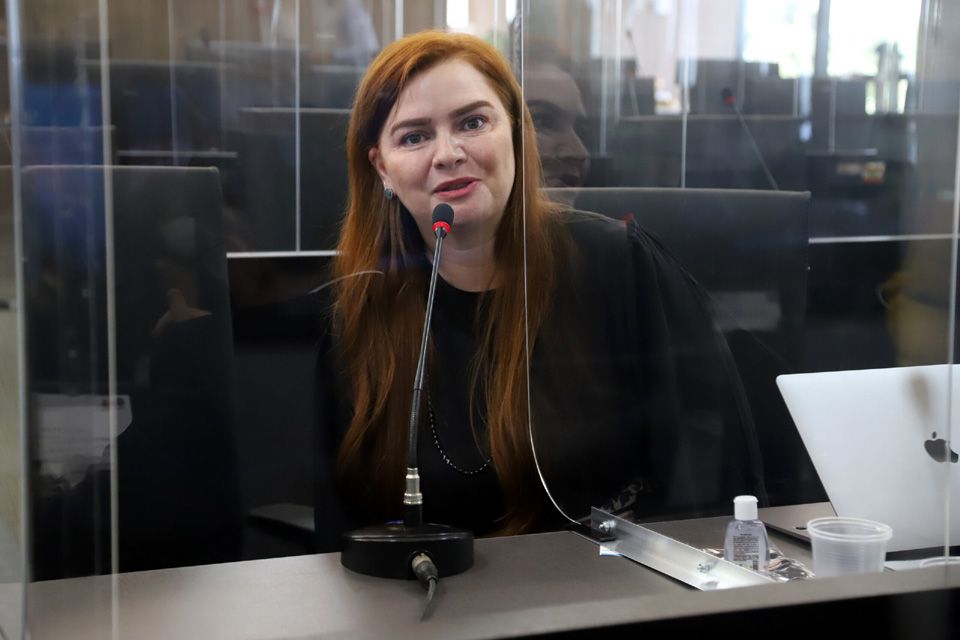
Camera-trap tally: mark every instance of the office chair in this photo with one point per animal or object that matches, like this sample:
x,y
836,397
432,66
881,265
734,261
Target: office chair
x,y
748,249
177,459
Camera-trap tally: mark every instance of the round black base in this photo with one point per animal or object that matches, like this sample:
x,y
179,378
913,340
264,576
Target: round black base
x,y
385,550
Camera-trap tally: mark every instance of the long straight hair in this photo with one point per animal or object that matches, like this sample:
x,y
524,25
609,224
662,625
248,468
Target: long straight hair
x,y
379,318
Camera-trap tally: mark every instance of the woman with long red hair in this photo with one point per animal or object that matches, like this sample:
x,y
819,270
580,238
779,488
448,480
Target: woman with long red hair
x,y
566,321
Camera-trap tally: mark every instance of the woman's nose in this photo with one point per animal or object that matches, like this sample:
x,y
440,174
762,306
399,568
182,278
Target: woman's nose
x,y
449,151
571,147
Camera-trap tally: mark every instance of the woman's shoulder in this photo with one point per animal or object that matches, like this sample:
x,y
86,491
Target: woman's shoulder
x,y
594,231
599,249
587,220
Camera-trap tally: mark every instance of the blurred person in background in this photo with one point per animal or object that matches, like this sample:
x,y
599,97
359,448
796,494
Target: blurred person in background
x,y
344,32
560,120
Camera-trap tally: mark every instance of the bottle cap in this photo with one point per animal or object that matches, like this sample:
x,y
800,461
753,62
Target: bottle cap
x,y
745,508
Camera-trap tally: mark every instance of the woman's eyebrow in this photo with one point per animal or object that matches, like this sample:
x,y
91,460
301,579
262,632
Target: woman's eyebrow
x,y
470,107
545,106
415,122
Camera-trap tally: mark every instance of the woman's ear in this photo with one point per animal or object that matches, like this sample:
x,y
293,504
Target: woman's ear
x,y
377,162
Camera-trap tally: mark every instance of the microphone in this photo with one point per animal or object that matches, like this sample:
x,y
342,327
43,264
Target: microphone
x,y
412,549
442,219
412,498
731,100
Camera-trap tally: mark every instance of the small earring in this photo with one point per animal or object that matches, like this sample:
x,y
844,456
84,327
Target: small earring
x,y
388,192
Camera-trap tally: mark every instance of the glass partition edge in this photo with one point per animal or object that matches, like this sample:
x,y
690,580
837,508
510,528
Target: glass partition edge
x,y
18,628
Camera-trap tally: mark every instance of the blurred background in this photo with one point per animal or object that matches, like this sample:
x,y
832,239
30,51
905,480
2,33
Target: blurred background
x,y
157,319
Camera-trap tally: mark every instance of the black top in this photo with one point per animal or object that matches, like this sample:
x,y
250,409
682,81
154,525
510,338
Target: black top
x,y
635,401
461,490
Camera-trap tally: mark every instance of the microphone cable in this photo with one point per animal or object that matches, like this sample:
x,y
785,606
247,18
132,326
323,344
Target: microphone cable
x,y
426,572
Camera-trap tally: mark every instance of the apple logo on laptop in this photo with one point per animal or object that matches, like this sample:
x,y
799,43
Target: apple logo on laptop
x,y
937,449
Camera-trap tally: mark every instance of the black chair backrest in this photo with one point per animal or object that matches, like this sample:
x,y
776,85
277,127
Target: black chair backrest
x,y
749,250
771,96
159,106
177,472
62,145
268,163
168,234
708,78
649,152
731,241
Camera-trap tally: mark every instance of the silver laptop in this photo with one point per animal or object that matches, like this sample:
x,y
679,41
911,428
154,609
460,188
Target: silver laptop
x,y
878,439
793,519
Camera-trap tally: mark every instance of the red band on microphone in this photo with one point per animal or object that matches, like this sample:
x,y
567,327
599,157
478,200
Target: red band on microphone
x,y
441,224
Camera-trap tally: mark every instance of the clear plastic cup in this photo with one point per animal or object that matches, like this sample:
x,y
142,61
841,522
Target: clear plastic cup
x,y
843,546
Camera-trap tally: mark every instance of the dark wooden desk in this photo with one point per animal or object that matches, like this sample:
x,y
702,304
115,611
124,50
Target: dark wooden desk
x,y
526,585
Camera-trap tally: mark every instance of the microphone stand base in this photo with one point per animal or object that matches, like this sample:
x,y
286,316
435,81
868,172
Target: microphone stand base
x,y
386,550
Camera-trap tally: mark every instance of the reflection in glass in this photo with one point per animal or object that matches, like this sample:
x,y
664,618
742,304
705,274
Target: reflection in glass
x,y
344,33
873,280
12,489
782,32
560,120
226,125
175,448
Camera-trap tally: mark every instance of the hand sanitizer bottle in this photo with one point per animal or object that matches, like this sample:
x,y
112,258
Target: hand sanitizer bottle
x,y
746,543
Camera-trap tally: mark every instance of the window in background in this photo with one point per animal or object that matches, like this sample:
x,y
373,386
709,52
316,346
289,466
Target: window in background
x,y
859,27
458,14
780,31
487,19
877,40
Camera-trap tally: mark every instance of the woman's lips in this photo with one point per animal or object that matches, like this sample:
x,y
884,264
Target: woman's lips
x,y
456,191
564,180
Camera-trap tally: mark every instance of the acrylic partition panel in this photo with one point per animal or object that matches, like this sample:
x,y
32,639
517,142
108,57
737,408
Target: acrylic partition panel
x,y
64,399
175,187
785,204
179,173
12,487
223,125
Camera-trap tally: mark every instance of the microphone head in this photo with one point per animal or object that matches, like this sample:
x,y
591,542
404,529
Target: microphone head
x,y
442,219
728,97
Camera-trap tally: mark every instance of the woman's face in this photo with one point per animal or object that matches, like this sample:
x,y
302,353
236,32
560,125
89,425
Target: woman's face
x,y
560,119
448,139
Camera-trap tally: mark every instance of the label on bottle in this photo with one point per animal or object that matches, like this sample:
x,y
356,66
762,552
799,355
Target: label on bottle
x,y
746,550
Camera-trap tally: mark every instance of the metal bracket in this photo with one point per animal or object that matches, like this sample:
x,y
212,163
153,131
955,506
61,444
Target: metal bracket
x,y
680,561
600,536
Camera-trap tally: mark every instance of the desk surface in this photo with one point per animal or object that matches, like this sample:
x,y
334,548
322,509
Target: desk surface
x,y
519,586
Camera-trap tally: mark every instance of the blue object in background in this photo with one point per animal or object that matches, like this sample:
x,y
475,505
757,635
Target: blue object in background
x,y
62,145
61,105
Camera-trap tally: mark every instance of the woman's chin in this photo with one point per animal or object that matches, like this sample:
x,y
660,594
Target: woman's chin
x,y
566,196
563,181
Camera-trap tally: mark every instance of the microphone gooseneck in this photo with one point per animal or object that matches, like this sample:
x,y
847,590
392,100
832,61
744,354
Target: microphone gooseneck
x,y
731,100
412,549
442,220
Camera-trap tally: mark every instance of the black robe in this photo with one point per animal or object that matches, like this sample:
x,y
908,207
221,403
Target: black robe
x,y
636,404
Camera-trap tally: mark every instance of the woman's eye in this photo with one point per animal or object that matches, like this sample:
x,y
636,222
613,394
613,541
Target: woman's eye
x,y
543,122
412,138
473,123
